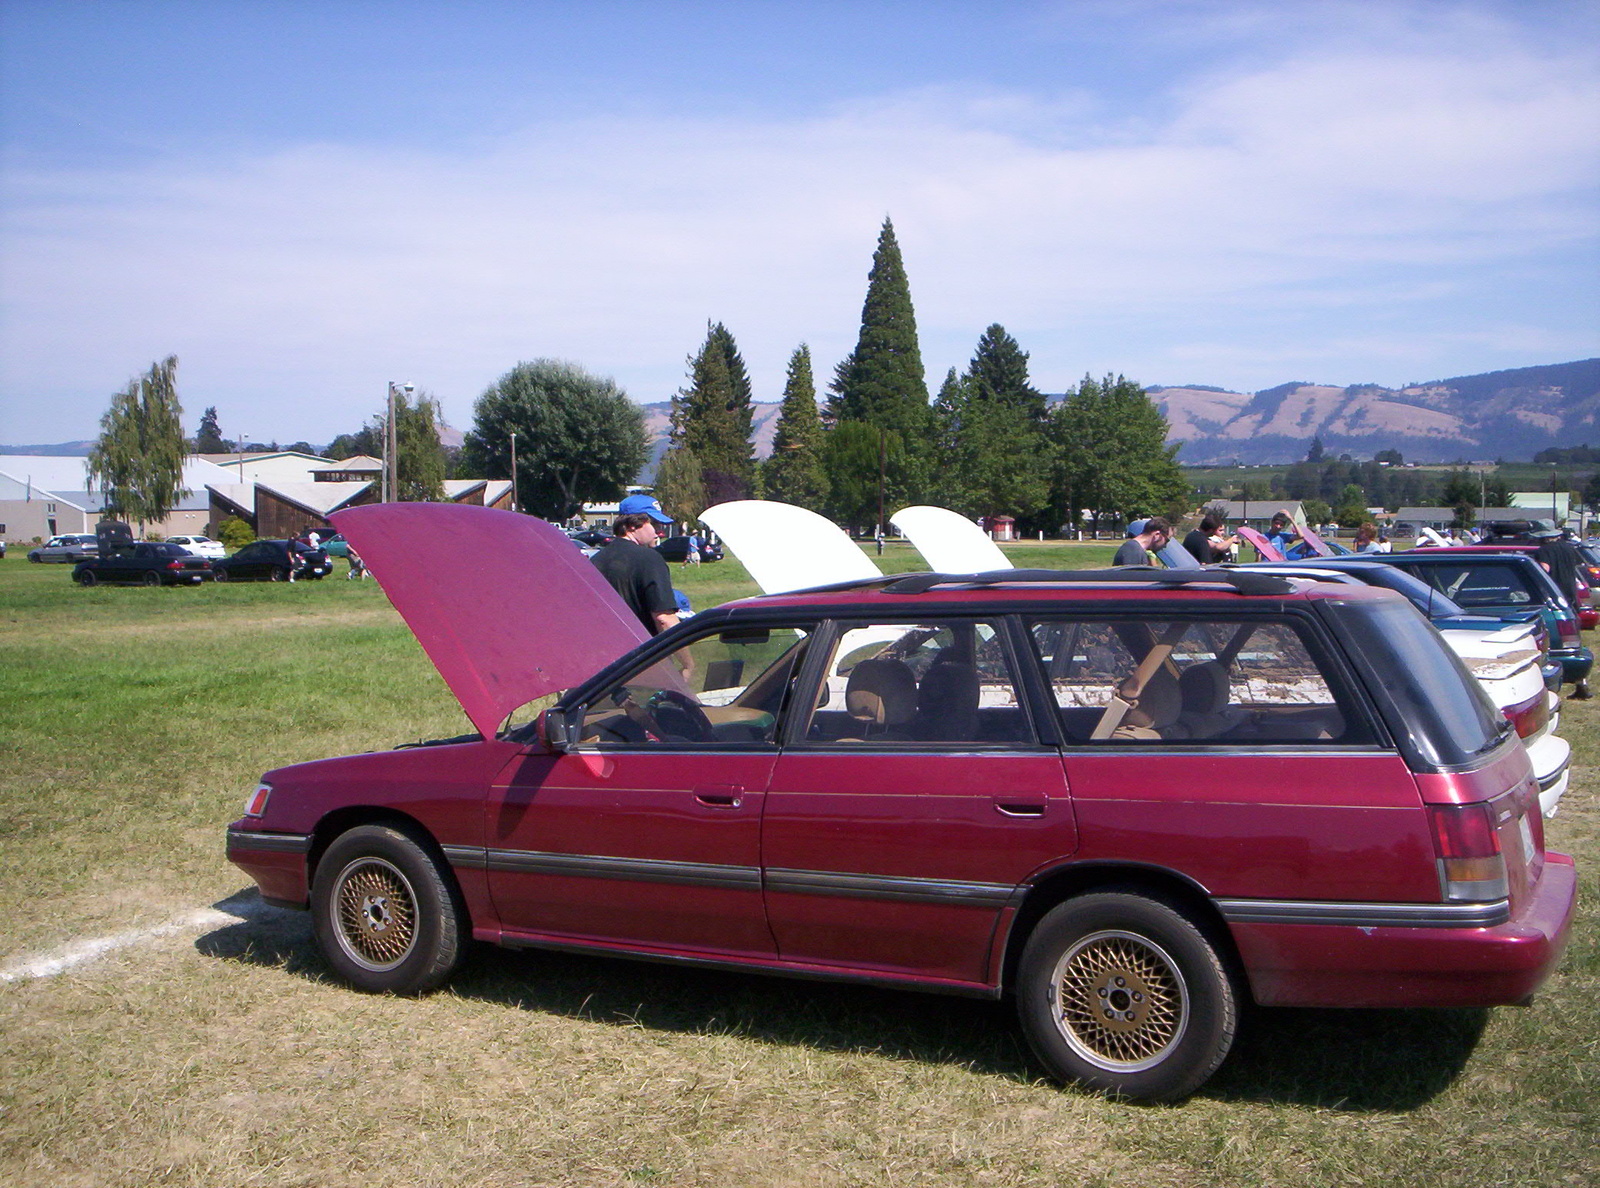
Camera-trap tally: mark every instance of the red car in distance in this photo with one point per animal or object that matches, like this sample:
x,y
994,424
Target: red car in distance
x,y
1130,801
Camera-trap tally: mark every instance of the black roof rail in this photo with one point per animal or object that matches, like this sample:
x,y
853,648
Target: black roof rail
x,y
1242,581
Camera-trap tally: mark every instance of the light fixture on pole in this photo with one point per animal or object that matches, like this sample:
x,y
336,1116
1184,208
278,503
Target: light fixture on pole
x,y
513,472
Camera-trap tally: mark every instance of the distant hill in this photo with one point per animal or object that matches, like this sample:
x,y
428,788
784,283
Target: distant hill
x,y
64,449
1500,414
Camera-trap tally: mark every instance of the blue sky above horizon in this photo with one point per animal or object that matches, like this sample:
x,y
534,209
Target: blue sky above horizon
x,y
303,201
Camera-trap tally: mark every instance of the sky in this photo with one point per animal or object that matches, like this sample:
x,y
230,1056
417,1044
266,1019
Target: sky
x,y
305,201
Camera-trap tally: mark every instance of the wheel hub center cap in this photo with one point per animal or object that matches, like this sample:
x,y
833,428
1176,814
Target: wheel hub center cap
x,y
1121,1000
375,911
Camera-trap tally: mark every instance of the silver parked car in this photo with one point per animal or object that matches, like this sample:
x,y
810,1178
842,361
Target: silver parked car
x,y
69,548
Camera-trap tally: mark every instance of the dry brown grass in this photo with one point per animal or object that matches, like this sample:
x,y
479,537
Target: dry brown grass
x,y
223,1055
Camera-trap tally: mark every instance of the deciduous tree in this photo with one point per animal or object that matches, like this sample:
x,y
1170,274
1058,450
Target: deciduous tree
x,y
1109,453
137,464
579,438
418,453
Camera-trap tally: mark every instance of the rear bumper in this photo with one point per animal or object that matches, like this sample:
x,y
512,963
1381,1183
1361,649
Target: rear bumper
x,y
1339,965
1551,758
1575,663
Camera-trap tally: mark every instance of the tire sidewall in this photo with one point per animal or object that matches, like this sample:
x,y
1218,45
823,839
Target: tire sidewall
x,y
440,918
1212,1001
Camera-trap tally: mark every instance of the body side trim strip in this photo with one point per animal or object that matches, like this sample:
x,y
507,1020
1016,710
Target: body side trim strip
x,y
905,890
643,870
272,843
1366,915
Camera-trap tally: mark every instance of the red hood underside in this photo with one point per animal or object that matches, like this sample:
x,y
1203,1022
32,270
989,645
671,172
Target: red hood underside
x,y
504,604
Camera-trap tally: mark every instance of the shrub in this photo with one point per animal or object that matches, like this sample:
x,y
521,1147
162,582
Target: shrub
x,y
234,533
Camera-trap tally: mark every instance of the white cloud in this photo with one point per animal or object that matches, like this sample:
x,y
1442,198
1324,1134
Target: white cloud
x,y
293,285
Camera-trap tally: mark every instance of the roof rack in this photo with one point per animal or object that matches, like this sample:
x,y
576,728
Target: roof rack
x,y
1241,581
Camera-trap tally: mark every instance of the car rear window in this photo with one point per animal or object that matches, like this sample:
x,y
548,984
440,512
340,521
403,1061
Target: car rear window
x,y
1471,584
1437,711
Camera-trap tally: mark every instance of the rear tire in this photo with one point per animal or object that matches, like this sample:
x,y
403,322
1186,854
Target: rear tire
x,y
152,579
278,574
1121,992
387,918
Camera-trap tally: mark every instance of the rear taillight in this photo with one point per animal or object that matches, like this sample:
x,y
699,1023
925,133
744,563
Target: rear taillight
x,y
1530,716
174,565
1567,627
1471,867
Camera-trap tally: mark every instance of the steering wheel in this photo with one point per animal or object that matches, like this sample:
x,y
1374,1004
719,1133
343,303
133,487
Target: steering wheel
x,y
680,713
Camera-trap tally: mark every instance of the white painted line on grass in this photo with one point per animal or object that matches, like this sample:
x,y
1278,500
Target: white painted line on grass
x,y
84,951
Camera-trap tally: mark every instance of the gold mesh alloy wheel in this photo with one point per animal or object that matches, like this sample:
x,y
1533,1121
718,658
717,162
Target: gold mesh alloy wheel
x,y
1121,1004
375,914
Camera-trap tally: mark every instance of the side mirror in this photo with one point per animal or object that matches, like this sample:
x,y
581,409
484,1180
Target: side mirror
x,y
555,730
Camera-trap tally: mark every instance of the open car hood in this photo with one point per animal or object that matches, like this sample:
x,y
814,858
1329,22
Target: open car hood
x,y
785,548
948,542
504,604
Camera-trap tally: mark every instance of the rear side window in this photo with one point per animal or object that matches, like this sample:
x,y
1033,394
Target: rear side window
x,y
1470,585
1435,708
1120,681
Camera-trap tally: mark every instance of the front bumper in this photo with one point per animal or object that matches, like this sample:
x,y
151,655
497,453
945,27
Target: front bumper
x,y
276,861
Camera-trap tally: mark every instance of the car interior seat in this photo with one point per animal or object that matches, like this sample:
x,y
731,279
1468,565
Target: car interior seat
x,y
881,695
947,703
1205,695
1156,713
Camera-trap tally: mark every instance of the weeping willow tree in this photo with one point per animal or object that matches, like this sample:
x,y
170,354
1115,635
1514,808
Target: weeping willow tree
x,y
137,464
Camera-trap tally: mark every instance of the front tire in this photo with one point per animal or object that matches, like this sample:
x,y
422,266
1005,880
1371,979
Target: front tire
x,y
1121,992
387,918
220,575
87,578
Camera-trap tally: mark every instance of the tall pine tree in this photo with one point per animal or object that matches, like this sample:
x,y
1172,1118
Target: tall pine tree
x,y
999,372
708,422
882,382
208,438
794,474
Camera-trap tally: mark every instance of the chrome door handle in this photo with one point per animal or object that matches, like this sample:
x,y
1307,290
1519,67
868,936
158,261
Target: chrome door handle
x,y
723,796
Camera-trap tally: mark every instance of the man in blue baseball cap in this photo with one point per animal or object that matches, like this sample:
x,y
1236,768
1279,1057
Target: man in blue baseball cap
x,y
634,569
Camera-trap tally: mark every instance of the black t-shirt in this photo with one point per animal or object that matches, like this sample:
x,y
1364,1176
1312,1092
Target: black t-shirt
x,y
1198,545
640,576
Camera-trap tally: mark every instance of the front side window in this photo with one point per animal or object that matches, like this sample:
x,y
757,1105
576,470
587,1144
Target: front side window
x,y
942,683
724,689
1119,681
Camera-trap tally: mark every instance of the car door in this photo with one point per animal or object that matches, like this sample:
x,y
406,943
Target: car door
x,y
645,832
911,800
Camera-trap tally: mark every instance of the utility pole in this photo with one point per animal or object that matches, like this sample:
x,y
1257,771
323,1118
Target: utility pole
x,y
513,472
391,447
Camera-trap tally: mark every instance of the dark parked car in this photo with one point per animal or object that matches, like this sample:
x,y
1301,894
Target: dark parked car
x,y
676,548
1128,800
70,547
595,538
273,561
144,564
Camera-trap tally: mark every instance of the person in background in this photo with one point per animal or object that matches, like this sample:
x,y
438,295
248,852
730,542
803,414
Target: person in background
x,y
358,567
1155,533
633,567
1367,538
1281,531
1210,542
691,555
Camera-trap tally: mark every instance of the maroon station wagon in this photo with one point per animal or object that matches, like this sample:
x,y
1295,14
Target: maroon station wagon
x,y
1128,799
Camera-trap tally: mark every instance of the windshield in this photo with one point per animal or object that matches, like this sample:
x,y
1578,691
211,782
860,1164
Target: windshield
x,y
1437,711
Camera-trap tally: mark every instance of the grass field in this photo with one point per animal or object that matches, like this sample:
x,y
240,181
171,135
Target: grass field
x,y
214,1050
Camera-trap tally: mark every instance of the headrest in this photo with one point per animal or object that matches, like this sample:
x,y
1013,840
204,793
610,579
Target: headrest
x,y
882,692
947,701
1159,704
1204,688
